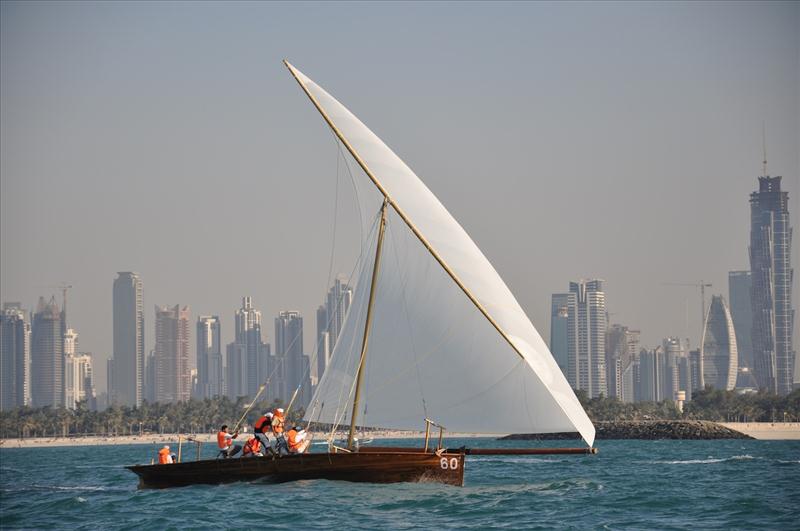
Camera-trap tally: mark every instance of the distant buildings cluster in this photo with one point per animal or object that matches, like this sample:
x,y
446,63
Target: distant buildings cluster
x,y
248,364
745,346
40,363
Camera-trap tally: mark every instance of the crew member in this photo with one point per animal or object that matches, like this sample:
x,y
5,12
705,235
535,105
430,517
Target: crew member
x,y
297,440
278,422
252,448
164,457
225,442
263,428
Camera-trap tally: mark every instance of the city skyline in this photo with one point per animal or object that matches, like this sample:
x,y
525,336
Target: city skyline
x,y
656,168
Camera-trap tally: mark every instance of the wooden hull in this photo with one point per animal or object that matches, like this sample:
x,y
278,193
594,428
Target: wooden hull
x,y
375,465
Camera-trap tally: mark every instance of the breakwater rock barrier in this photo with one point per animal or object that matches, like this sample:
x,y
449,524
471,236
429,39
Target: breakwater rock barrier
x,y
644,429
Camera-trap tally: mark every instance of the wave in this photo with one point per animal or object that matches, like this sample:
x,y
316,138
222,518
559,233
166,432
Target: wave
x,y
705,461
483,459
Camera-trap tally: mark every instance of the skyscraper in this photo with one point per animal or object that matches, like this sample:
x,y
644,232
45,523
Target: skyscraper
x,y
78,380
323,342
771,292
670,369
15,352
128,366
71,384
330,319
622,350
650,377
739,286
248,335
209,357
289,353
172,371
718,349
586,340
47,356
236,371
696,370
559,318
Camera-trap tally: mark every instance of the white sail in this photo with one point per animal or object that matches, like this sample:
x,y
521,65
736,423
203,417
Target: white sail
x,y
449,340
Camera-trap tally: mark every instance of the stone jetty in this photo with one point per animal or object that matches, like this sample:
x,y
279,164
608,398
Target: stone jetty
x,y
645,429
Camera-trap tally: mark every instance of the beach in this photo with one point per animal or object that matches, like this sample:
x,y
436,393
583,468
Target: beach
x,y
172,438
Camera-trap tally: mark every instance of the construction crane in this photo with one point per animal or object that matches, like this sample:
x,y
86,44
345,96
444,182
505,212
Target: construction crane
x,y
63,287
702,285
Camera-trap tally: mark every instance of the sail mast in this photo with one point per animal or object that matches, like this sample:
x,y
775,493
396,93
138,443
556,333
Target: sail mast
x,y
367,326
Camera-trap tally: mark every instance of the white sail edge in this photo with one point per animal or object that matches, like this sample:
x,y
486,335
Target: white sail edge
x,y
539,360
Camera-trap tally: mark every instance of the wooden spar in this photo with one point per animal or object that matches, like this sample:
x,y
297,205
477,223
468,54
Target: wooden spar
x,y
365,340
401,212
525,451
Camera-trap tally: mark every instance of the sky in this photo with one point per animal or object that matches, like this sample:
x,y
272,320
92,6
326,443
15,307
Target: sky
x,y
571,140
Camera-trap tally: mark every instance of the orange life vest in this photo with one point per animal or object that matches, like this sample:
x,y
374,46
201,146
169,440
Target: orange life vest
x,y
261,424
222,440
163,457
253,446
292,441
277,423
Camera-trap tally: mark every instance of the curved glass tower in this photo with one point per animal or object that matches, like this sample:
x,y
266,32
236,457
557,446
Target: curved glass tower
x,y
718,352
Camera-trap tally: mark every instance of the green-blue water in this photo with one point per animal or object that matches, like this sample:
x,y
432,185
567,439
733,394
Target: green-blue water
x,y
629,484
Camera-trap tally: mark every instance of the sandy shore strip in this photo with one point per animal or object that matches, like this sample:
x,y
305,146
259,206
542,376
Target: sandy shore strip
x,y
172,438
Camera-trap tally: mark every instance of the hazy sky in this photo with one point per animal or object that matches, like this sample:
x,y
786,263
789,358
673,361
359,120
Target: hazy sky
x,y
611,140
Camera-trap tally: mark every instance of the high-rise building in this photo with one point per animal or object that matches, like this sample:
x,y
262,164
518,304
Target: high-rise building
x,y
78,380
622,350
15,357
236,371
209,357
289,353
173,373
696,370
129,370
685,376
330,319
71,384
150,377
47,356
249,336
586,341
323,342
739,286
559,318
670,370
650,377
771,292
718,350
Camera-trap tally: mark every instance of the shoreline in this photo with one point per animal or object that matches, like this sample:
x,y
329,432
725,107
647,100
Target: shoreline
x,y
642,430
172,438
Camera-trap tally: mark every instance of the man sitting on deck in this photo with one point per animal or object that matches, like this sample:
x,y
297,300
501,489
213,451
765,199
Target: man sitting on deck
x,y
225,442
252,448
298,440
164,457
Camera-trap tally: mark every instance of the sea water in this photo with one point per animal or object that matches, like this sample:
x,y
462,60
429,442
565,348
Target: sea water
x,y
629,484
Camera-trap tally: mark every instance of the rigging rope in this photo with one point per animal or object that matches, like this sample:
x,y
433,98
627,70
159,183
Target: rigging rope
x,y
342,411
404,283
